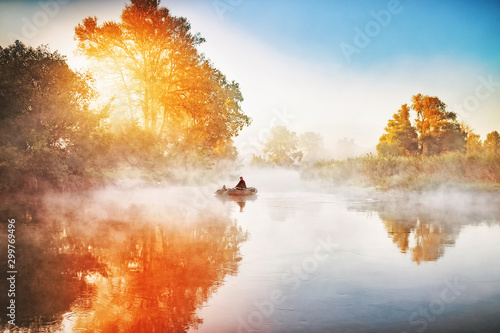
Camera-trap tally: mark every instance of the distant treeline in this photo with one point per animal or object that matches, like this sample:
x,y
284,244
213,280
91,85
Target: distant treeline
x,y
436,151
168,105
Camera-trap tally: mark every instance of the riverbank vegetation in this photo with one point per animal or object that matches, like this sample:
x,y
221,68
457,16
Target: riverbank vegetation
x,y
166,108
453,170
434,151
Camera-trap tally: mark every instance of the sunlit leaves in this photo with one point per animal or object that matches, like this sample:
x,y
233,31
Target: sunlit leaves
x,y
181,98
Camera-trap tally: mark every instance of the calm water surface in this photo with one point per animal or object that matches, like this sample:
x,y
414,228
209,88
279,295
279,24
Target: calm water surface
x,y
181,260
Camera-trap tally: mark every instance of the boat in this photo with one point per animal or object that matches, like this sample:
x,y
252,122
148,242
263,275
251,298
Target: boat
x,y
249,191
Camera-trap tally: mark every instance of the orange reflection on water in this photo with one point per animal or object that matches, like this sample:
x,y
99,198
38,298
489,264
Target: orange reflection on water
x,y
429,239
158,277
144,271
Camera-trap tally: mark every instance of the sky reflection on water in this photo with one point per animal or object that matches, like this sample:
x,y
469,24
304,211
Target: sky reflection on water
x,y
392,256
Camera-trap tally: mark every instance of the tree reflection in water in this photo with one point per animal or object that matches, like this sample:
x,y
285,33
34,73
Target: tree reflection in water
x,y
425,230
133,274
49,266
423,225
430,238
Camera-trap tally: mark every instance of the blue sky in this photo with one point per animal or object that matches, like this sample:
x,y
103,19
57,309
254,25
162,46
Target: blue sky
x,y
287,56
461,28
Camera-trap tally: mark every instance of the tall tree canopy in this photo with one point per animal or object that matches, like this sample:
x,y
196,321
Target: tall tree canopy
x,y
171,89
438,128
47,130
401,137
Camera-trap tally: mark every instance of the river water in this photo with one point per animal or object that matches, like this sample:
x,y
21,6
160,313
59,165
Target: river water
x,y
315,260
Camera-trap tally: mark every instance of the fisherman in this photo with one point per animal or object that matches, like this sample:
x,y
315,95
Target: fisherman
x,y
241,185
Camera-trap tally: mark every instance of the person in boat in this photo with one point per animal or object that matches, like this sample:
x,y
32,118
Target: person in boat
x,y
241,185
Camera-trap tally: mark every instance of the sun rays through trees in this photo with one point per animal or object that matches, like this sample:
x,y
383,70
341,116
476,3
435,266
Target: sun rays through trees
x,y
163,104
166,86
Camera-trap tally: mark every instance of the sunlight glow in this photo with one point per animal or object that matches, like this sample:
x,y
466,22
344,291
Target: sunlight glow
x,y
78,62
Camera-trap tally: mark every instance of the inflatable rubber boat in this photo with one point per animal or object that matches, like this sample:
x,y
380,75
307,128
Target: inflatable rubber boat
x,y
236,191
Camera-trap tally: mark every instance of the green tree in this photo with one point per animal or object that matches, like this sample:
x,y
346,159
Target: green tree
x,y
169,86
47,131
401,137
492,142
438,128
281,148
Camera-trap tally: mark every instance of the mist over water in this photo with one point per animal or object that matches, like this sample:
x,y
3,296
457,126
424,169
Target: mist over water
x,y
301,256
271,179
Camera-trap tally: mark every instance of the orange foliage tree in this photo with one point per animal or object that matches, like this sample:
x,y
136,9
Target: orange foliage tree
x,y
171,89
400,138
438,128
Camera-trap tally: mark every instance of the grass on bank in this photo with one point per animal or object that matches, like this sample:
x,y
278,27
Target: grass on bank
x,y
412,172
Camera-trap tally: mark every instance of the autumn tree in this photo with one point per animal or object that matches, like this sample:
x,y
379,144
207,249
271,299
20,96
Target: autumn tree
x,y
401,137
173,91
438,128
47,130
492,142
281,148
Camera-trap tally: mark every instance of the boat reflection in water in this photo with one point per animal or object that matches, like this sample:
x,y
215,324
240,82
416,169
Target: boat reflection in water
x,y
132,273
240,200
240,196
